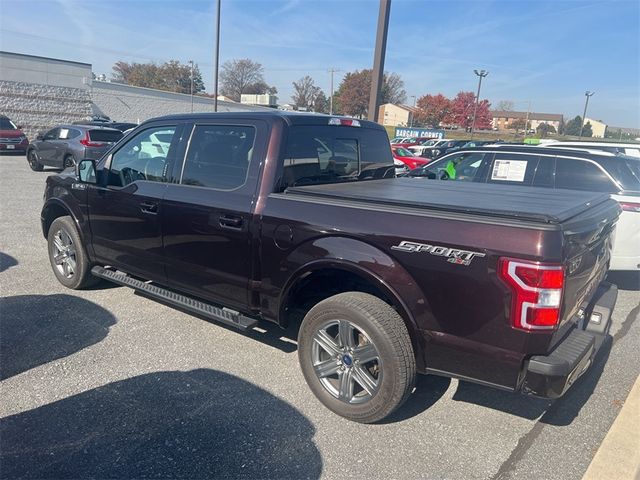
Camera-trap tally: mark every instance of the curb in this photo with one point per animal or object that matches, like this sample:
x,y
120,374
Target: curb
x,y
619,455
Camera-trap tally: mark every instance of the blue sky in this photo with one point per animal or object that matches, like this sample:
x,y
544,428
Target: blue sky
x,y
546,52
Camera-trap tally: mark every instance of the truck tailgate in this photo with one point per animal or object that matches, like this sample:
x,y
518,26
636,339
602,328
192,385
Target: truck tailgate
x,y
587,242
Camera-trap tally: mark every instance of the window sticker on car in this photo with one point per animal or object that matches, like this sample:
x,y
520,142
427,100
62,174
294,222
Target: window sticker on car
x,y
509,170
64,133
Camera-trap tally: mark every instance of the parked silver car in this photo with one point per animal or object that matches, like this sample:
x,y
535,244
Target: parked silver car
x,y
65,145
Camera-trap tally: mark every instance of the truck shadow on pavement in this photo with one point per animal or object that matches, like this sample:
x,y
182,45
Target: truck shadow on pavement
x,y
37,329
196,424
6,262
559,412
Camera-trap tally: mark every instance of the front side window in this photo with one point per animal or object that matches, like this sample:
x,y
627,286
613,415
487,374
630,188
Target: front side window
x,y
463,167
51,134
143,157
219,156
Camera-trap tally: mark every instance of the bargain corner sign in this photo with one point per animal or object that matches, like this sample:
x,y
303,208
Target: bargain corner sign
x,y
418,132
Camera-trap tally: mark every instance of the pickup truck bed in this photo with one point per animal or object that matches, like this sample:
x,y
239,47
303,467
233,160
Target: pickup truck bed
x,y
530,204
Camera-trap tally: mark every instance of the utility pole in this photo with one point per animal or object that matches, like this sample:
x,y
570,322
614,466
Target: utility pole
x,y
413,111
584,114
378,59
191,78
481,74
331,72
217,58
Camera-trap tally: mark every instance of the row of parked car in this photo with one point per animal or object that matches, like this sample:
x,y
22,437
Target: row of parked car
x,y
63,145
588,166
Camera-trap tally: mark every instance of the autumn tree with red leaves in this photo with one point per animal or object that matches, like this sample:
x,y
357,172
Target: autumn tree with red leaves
x,y
432,110
461,112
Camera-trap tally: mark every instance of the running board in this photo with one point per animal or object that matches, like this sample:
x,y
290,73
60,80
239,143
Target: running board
x,y
222,315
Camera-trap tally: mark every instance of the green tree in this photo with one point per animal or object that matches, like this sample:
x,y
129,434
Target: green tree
x,y
243,75
572,127
545,129
587,131
172,76
352,96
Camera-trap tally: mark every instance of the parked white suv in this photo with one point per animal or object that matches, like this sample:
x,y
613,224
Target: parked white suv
x,y
630,149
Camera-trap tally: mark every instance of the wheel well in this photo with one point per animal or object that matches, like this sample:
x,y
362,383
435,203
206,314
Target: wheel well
x,y
322,284
52,212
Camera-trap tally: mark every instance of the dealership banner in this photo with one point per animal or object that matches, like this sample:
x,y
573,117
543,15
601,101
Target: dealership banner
x,y
418,132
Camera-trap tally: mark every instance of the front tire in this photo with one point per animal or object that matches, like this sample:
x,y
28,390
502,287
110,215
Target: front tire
x,y
68,256
356,356
34,164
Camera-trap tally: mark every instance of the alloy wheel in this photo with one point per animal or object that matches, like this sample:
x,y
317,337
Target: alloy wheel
x,y
346,362
63,252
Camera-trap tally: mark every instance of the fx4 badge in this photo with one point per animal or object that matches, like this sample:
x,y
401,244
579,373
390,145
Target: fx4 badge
x,y
454,255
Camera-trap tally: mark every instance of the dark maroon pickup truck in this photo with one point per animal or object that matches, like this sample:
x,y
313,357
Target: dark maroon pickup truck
x,y
298,219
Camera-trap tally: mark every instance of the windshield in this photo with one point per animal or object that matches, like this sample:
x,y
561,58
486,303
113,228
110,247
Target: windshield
x,y
403,152
6,124
330,154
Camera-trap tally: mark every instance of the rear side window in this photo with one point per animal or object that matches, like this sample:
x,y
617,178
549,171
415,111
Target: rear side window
x,y
625,170
544,174
581,175
319,154
513,169
219,156
104,136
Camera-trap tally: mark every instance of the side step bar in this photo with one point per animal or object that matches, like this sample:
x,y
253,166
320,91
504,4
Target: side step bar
x,y
222,315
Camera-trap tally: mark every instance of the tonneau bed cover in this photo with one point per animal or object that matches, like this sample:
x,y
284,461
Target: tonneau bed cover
x,y
535,204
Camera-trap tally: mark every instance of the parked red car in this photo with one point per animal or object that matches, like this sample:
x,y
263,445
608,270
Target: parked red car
x,y
12,139
408,158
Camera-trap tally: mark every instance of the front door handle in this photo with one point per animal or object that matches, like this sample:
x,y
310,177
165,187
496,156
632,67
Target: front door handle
x,y
149,207
232,222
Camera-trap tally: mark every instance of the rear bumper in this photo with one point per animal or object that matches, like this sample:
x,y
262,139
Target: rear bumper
x,y
550,376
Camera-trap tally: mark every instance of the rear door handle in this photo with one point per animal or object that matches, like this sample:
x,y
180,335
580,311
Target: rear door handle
x,y
232,222
149,207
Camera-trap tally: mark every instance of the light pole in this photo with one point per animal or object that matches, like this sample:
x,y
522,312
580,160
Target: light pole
x,y
217,58
481,74
191,78
413,112
331,72
586,104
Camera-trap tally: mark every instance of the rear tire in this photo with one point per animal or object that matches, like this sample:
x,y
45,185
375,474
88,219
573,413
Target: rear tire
x,y
32,160
68,256
356,356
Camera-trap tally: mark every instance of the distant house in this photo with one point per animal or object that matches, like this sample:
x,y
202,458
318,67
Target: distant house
x,y
597,127
395,115
503,119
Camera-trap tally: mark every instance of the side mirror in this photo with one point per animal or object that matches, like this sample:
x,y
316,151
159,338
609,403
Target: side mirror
x,y
431,175
40,137
86,171
19,127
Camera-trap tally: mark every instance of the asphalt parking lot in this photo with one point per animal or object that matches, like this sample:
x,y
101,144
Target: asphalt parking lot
x,y
108,384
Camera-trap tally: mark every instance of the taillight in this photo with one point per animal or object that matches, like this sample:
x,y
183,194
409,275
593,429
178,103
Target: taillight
x,y
630,206
536,293
86,141
345,122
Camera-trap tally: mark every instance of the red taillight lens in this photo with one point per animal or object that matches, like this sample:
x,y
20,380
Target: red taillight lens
x,y
630,206
86,141
536,293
